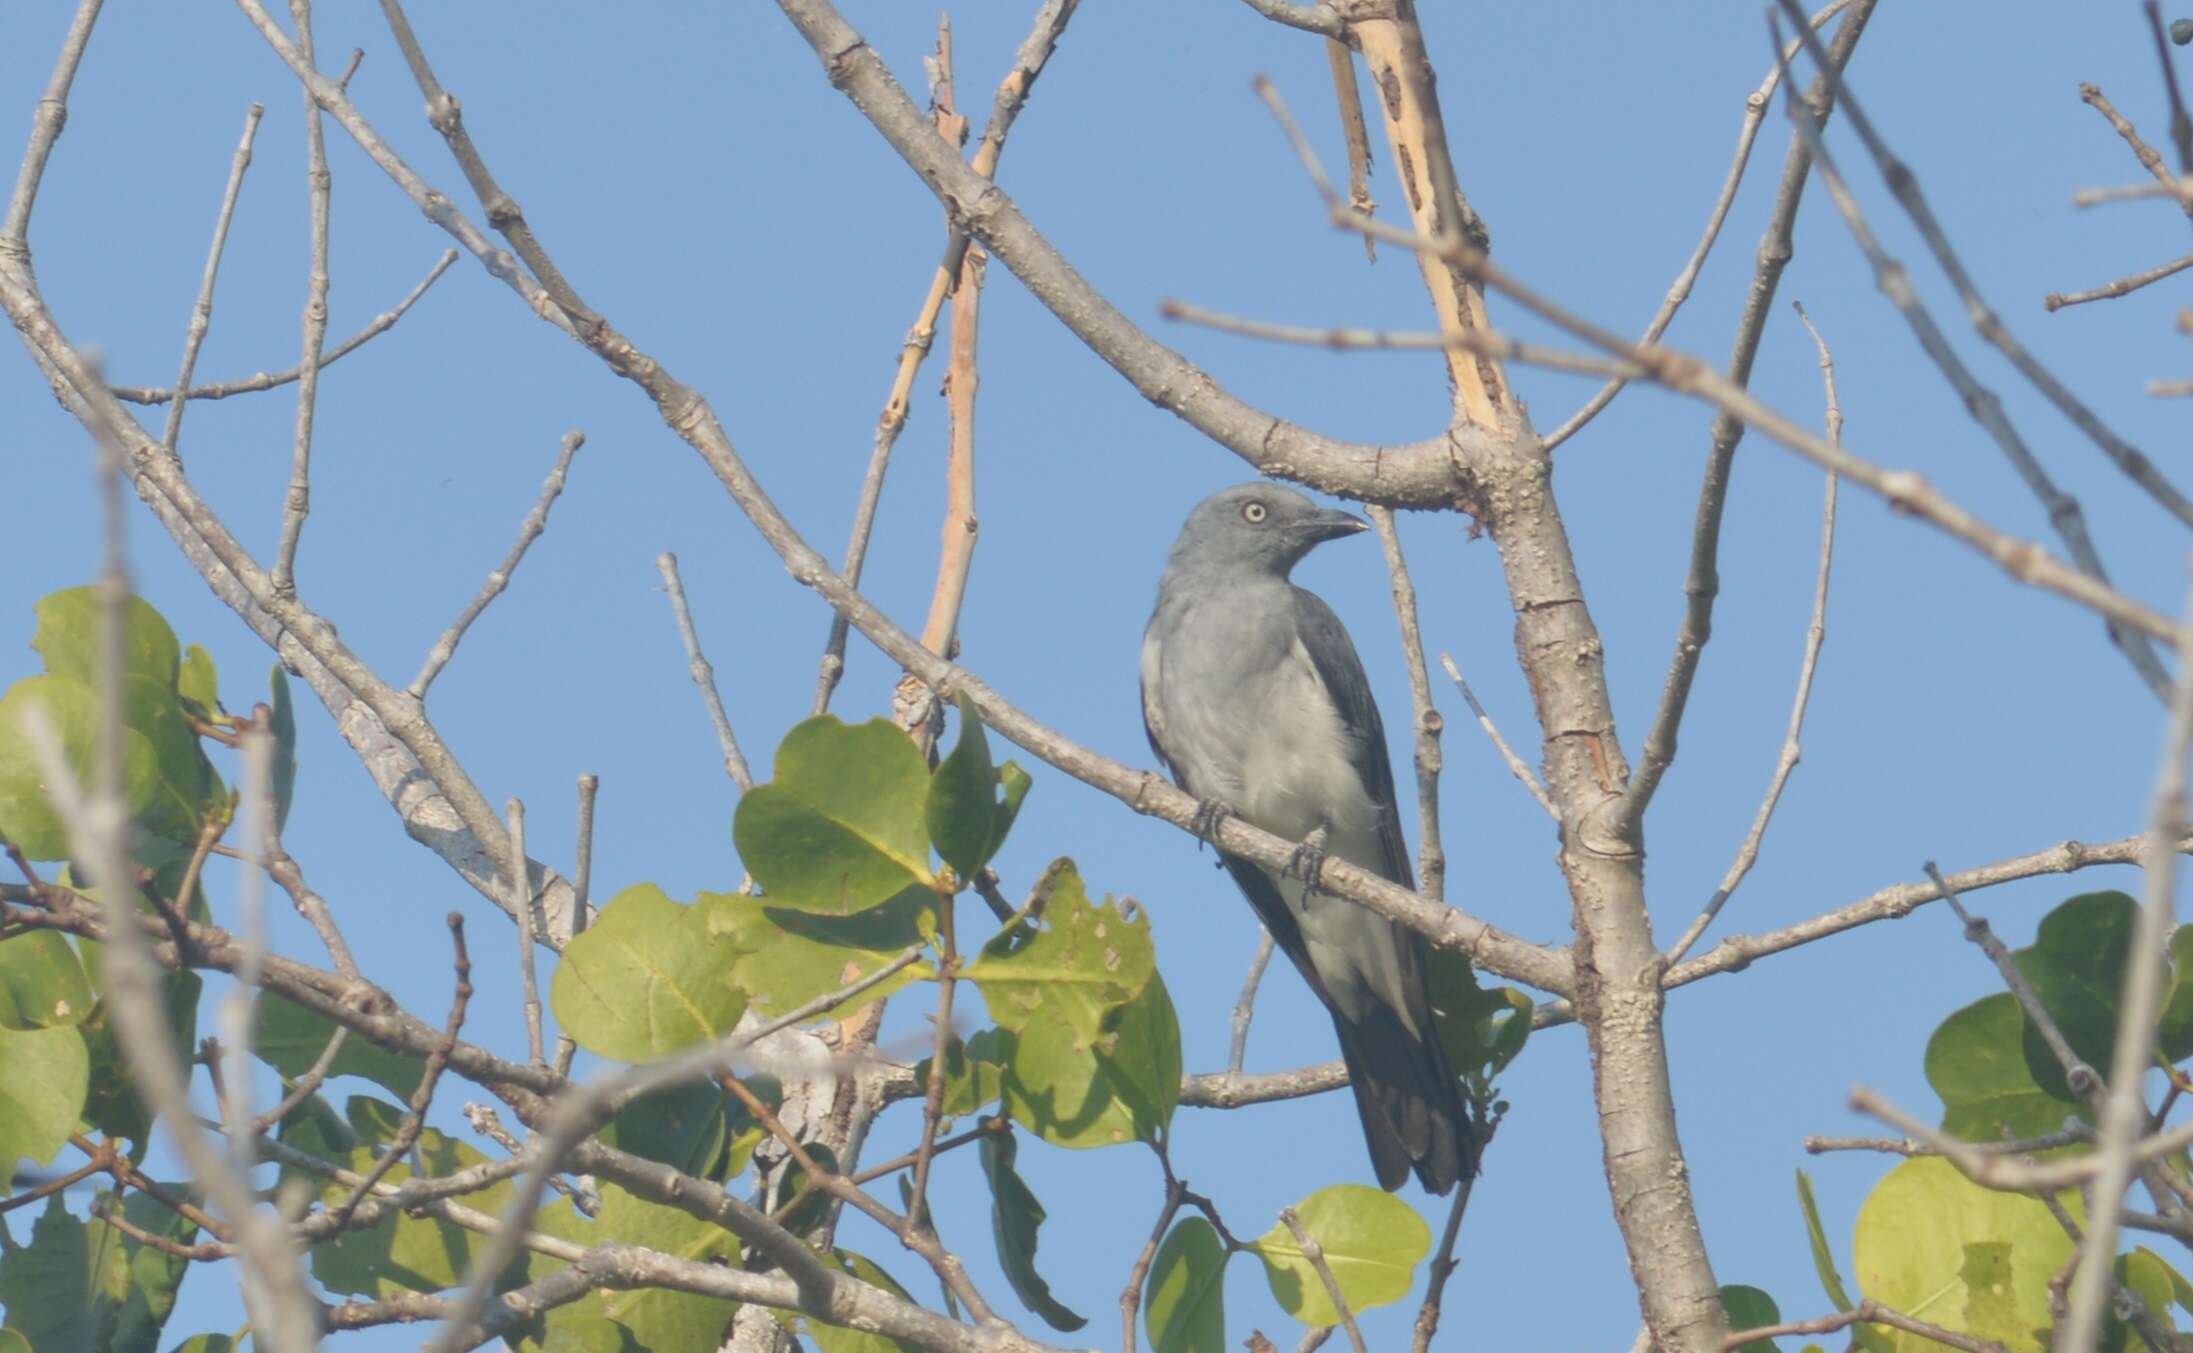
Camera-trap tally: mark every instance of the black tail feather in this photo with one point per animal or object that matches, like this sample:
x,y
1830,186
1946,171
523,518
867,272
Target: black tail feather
x,y
1410,1102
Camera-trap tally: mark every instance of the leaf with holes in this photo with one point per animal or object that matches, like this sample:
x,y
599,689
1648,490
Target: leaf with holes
x,y
1069,965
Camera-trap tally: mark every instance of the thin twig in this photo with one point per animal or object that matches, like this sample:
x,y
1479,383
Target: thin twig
x,y
1984,404
2123,1113
1431,854
521,906
2181,126
380,324
582,877
932,1109
1514,763
1391,340
704,674
47,120
297,502
1341,58
529,530
2093,97
1035,52
1755,113
1315,1254
414,1121
239,1008
1702,579
201,313
1867,1312
2082,1078
2073,1133
306,1085
1443,1266
1130,1296
2057,300
1815,636
1245,1007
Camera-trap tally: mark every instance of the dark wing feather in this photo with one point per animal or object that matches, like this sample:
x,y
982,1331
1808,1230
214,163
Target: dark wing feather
x,y
1341,670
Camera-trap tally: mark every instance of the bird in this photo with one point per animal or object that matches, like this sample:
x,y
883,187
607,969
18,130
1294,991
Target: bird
x,y
1256,702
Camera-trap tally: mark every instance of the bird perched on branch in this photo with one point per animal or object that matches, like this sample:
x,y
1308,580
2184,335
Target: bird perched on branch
x,y
1256,702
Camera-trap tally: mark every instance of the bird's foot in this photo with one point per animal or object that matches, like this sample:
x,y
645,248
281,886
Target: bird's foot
x,y
1308,861
1208,814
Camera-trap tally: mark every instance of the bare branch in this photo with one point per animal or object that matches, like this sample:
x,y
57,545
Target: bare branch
x,y
297,503
1513,762
46,122
201,313
1867,1312
529,531
1245,1006
582,876
1315,1253
2123,1114
1130,1296
1984,404
240,1006
1815,637
1012,95
2057,300
2093,97
1312,18
1702,582
1755,113
1443,1266
703,674
380,324
521,906
1431,854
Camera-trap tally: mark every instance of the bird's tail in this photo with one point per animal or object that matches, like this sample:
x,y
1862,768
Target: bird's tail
x,y
1410,1101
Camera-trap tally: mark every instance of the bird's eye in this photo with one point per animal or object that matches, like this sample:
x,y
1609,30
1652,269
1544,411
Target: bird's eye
x,y
1253,512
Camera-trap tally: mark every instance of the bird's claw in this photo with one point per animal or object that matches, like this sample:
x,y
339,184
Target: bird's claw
x,y
1208,814
1308,861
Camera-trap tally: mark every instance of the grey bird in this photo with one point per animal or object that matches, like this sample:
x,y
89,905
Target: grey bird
x,y
1256,702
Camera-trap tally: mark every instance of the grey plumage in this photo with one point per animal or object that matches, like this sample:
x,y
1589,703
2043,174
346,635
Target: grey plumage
x,y
1254,699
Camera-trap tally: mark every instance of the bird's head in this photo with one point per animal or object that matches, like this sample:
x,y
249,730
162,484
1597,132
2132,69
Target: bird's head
x,y
1258,528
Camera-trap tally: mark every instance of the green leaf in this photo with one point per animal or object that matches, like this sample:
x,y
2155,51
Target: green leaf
x,y
1976,1061
68,638
316,1129
1481,1030
2155,1282
42,982
2174,1031
290,1038
182,778
398,1253
27,815
1372,1242
113,1106
44,1074
1015,1216
2076,964
1865,1338
1184,1307
1121,1086
962,807
1934,1245
199,684
46,1285
681,1126
201,1343
974,1073
136,1284
647,978
839,1339
1748,1308
1015,783
840,827
282,716
1081,963
787,958
651,1318
12,1341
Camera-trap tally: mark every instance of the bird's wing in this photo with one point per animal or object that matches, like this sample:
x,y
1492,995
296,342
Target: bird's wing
x,y
1334,656
1153,718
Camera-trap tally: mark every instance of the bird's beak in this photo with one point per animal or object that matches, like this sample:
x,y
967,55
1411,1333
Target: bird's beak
x,y
1329,524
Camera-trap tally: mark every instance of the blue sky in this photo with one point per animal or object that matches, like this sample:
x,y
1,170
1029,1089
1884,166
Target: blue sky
x,y
693,172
